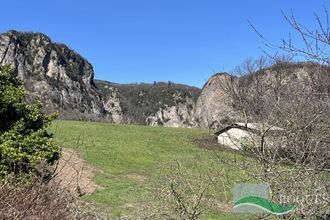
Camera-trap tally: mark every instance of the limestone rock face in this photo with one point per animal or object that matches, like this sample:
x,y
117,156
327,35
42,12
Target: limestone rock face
x,y
64,82
53,74
179,115
112,104
158,104
213,105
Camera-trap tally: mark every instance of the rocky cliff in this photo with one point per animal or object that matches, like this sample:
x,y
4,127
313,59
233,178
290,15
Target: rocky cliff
x,y
158,104
180,114
53,74
213,105
214,108
64,82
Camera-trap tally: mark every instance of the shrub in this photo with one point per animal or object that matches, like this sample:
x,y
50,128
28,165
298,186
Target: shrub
x,y
24,140
35,200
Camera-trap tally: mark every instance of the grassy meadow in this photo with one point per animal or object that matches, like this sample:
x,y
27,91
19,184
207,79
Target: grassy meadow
x,y
134,162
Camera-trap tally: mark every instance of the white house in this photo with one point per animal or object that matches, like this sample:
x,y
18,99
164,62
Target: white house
x,y
235,135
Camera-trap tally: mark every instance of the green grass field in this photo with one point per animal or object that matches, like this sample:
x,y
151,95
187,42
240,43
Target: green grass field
x,y
134,160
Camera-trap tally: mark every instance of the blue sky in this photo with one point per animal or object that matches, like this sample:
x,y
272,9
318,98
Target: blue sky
x,y
184,41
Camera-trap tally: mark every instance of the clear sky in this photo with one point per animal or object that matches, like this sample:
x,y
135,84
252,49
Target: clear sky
x,y
184,41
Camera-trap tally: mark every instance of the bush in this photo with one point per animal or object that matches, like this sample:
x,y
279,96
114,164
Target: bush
x,y
24,140
35,200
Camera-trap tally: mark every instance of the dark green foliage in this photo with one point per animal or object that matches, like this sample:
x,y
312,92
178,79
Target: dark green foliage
x,y
24,140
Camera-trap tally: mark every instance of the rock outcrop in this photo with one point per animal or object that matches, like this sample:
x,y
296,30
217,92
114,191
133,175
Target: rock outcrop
x,y
112,104
178,115
163,104
214,108
213,104
53,74
64,81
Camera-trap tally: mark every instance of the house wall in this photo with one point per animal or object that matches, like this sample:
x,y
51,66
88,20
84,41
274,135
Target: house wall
x,y
233,137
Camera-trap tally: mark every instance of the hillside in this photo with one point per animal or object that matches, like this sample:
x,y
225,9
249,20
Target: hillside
x,y
214,107
135,165
64,82
146,103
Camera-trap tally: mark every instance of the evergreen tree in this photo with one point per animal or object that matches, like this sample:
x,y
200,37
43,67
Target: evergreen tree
x,y
24,140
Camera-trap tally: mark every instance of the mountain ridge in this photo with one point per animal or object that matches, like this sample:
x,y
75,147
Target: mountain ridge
x,y
64,82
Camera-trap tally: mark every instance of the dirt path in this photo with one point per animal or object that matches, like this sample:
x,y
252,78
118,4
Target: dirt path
x,y
75,174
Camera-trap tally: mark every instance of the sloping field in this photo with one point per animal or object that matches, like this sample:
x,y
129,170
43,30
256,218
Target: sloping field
x,y
136,164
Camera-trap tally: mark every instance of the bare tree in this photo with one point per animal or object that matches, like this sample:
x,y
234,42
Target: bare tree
x,y
315,41
293,97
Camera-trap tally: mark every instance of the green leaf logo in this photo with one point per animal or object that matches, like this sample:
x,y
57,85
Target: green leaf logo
x,y
264,204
